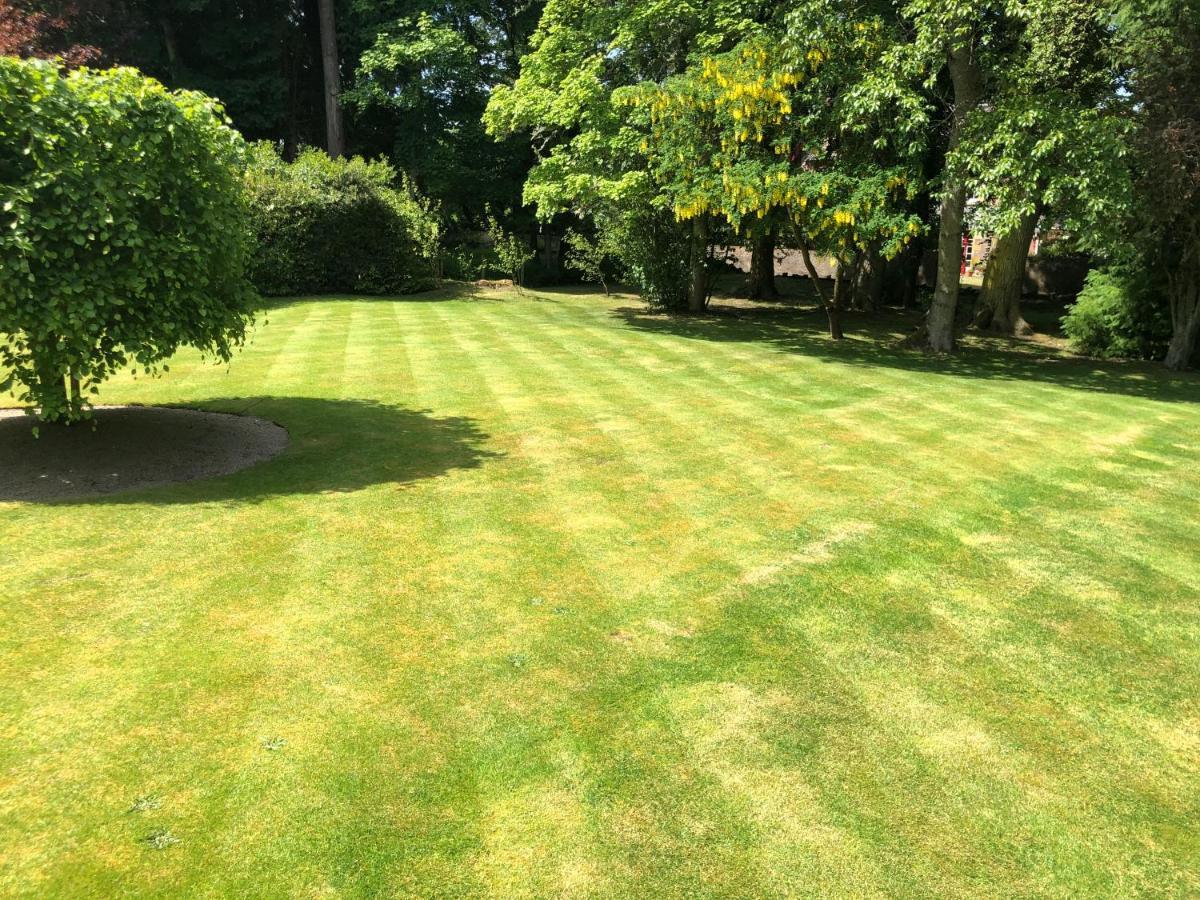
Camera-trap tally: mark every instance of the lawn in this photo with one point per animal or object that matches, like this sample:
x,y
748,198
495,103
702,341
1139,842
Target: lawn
x,y
553,597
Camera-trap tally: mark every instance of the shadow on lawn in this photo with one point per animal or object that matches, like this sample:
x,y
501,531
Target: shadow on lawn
x,y
334,446
871,340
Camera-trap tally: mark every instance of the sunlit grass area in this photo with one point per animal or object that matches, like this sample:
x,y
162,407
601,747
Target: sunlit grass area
x,y
550,596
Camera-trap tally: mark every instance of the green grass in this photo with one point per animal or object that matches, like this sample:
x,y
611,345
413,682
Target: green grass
x,y
553,597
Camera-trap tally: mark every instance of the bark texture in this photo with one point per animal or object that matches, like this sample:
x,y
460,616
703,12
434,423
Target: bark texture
x,y
1183,287
762,268
698,278
335,139
868,281
832,313
999,307
968,89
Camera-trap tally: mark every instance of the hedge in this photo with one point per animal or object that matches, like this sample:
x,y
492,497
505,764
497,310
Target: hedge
x,y
337,226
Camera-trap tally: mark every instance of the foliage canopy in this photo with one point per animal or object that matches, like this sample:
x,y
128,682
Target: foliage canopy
x,y
335,225
122,230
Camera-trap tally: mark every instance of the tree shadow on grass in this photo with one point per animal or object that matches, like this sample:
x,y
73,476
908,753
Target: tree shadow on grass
x,y
872,340
333,446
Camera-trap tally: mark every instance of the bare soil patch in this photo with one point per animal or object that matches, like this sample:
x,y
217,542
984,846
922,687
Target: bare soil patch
x,y
131,447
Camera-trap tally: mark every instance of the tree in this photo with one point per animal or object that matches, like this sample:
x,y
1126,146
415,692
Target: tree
x,y
1160,52
123,230
761,283
335,139
419,89
29,31
763,132
260,58
590,256
999,306
1051,141
933,42
591,145
510,253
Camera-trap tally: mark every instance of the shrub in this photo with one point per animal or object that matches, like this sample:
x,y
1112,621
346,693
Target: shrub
x,y
1115,315
338,225
509,252
123,230
653,251
591,257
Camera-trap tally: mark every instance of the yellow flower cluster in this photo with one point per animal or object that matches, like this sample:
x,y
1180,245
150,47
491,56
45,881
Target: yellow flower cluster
x,y
691,210
746,95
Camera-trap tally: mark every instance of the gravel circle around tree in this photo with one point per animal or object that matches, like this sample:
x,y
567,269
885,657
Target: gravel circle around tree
x,y
130,448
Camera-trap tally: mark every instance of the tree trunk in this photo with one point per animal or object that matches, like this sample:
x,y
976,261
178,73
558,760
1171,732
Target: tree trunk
x,y
968,89
835,321
698,278
1185,318
899,277
868,280
171,45
335,141
831,308
1000,299
52,390
762,267
842,282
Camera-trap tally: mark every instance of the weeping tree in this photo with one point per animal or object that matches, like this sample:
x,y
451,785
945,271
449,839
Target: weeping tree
x,y
123,232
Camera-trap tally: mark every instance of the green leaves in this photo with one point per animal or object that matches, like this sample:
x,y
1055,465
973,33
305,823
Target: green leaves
x,y
122,246
324,225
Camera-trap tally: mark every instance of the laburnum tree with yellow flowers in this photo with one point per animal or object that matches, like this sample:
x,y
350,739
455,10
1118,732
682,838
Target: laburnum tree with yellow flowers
x,y
591,154
761,133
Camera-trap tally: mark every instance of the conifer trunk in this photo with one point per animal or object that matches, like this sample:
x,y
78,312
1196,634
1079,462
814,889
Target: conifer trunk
x,y
335,140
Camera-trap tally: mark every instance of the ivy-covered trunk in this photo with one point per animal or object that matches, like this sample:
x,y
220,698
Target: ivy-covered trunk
x,y
698,267
968,89
762,267
1184,294
1000,298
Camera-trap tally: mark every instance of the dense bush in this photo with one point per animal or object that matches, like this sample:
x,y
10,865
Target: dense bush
x,y
123,230
652,249
1116,315
338,225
